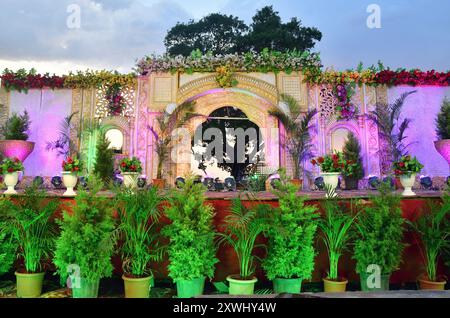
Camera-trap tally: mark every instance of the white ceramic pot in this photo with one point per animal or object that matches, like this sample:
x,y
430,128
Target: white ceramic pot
x,y
70,180
407,183
10,180
130,179
331,179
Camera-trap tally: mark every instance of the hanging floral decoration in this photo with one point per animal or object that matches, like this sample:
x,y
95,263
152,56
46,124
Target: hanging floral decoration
x,y
116,102
345,109
225,77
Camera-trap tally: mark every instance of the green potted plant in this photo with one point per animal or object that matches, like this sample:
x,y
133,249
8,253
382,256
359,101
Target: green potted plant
x,y
298,140
336,228
10,169
139,214
353,169
242,227
291,232
378,247
86,242
130,168
406,169
104,159
433,230
71,168
191,249
14,132
443,130
330,168
32,227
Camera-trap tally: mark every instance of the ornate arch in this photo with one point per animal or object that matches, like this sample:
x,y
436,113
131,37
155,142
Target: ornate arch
x,y
124,125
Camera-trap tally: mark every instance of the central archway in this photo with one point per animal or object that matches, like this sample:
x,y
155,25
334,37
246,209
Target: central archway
x,y
227,144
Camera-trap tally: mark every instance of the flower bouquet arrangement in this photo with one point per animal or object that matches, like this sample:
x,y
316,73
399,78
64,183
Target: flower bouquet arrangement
x,y
345,108
330,163
132,165
73,165
11,165
407,166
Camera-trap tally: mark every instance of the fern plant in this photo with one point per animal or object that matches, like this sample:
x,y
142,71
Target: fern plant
x,y
297,125
391,129
33,229
380,232
242,227
87,236
336,228
291,233
192,251
433,229
8,246
139,214
443,121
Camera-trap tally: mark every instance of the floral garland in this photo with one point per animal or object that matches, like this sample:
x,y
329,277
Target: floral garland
x,y
346,110
264,62
24,80
116,102
225,77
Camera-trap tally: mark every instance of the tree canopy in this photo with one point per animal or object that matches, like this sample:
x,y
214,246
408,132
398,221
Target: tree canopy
x,y
225,34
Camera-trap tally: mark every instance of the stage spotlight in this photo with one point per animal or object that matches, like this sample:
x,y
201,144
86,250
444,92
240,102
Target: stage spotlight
x,y
230,184
426,182
374,182
38,181
319,183
142,182
57,182
179,182
209,183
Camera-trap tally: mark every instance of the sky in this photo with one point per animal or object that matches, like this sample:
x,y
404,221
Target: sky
x,y
113,34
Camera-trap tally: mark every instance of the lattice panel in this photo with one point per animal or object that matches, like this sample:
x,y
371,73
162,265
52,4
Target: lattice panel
x,y
101,104
327,103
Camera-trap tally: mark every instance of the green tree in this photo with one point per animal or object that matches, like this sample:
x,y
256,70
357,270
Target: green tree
x,y
352,154
104,162
443,121
215,33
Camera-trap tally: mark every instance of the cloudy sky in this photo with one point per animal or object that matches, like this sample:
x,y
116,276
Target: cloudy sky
x,y
114,33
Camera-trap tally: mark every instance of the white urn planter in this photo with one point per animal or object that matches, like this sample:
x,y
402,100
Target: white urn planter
x,y
331,179
130,179
11,180
70,180
407,182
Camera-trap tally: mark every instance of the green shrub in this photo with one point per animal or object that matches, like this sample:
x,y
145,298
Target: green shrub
x,y
139,215
291,234
242,227
380,227
8,246
87,237
443,121
104,160
32,227
16,127
352,156
192,251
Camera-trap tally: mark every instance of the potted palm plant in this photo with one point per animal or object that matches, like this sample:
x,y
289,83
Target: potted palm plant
x,y
10,169
71,168
433,230
242,227
15,143
167,123
87,241
191,249
378,246
331,167
353,169
336,229
139,214
32,227
443,130
291,232
131,169
406,169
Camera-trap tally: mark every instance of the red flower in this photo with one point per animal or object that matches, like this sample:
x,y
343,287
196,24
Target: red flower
x,y
10,170
133,168
16,160
124,164
69,160
314,162
335,165
401,164
335,157
321,160
76,169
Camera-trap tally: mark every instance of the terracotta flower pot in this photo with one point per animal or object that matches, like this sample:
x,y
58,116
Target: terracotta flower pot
x,y
159,183
407,183
335,286
426,284
443,147
70,180
130,179
16,149
11,180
